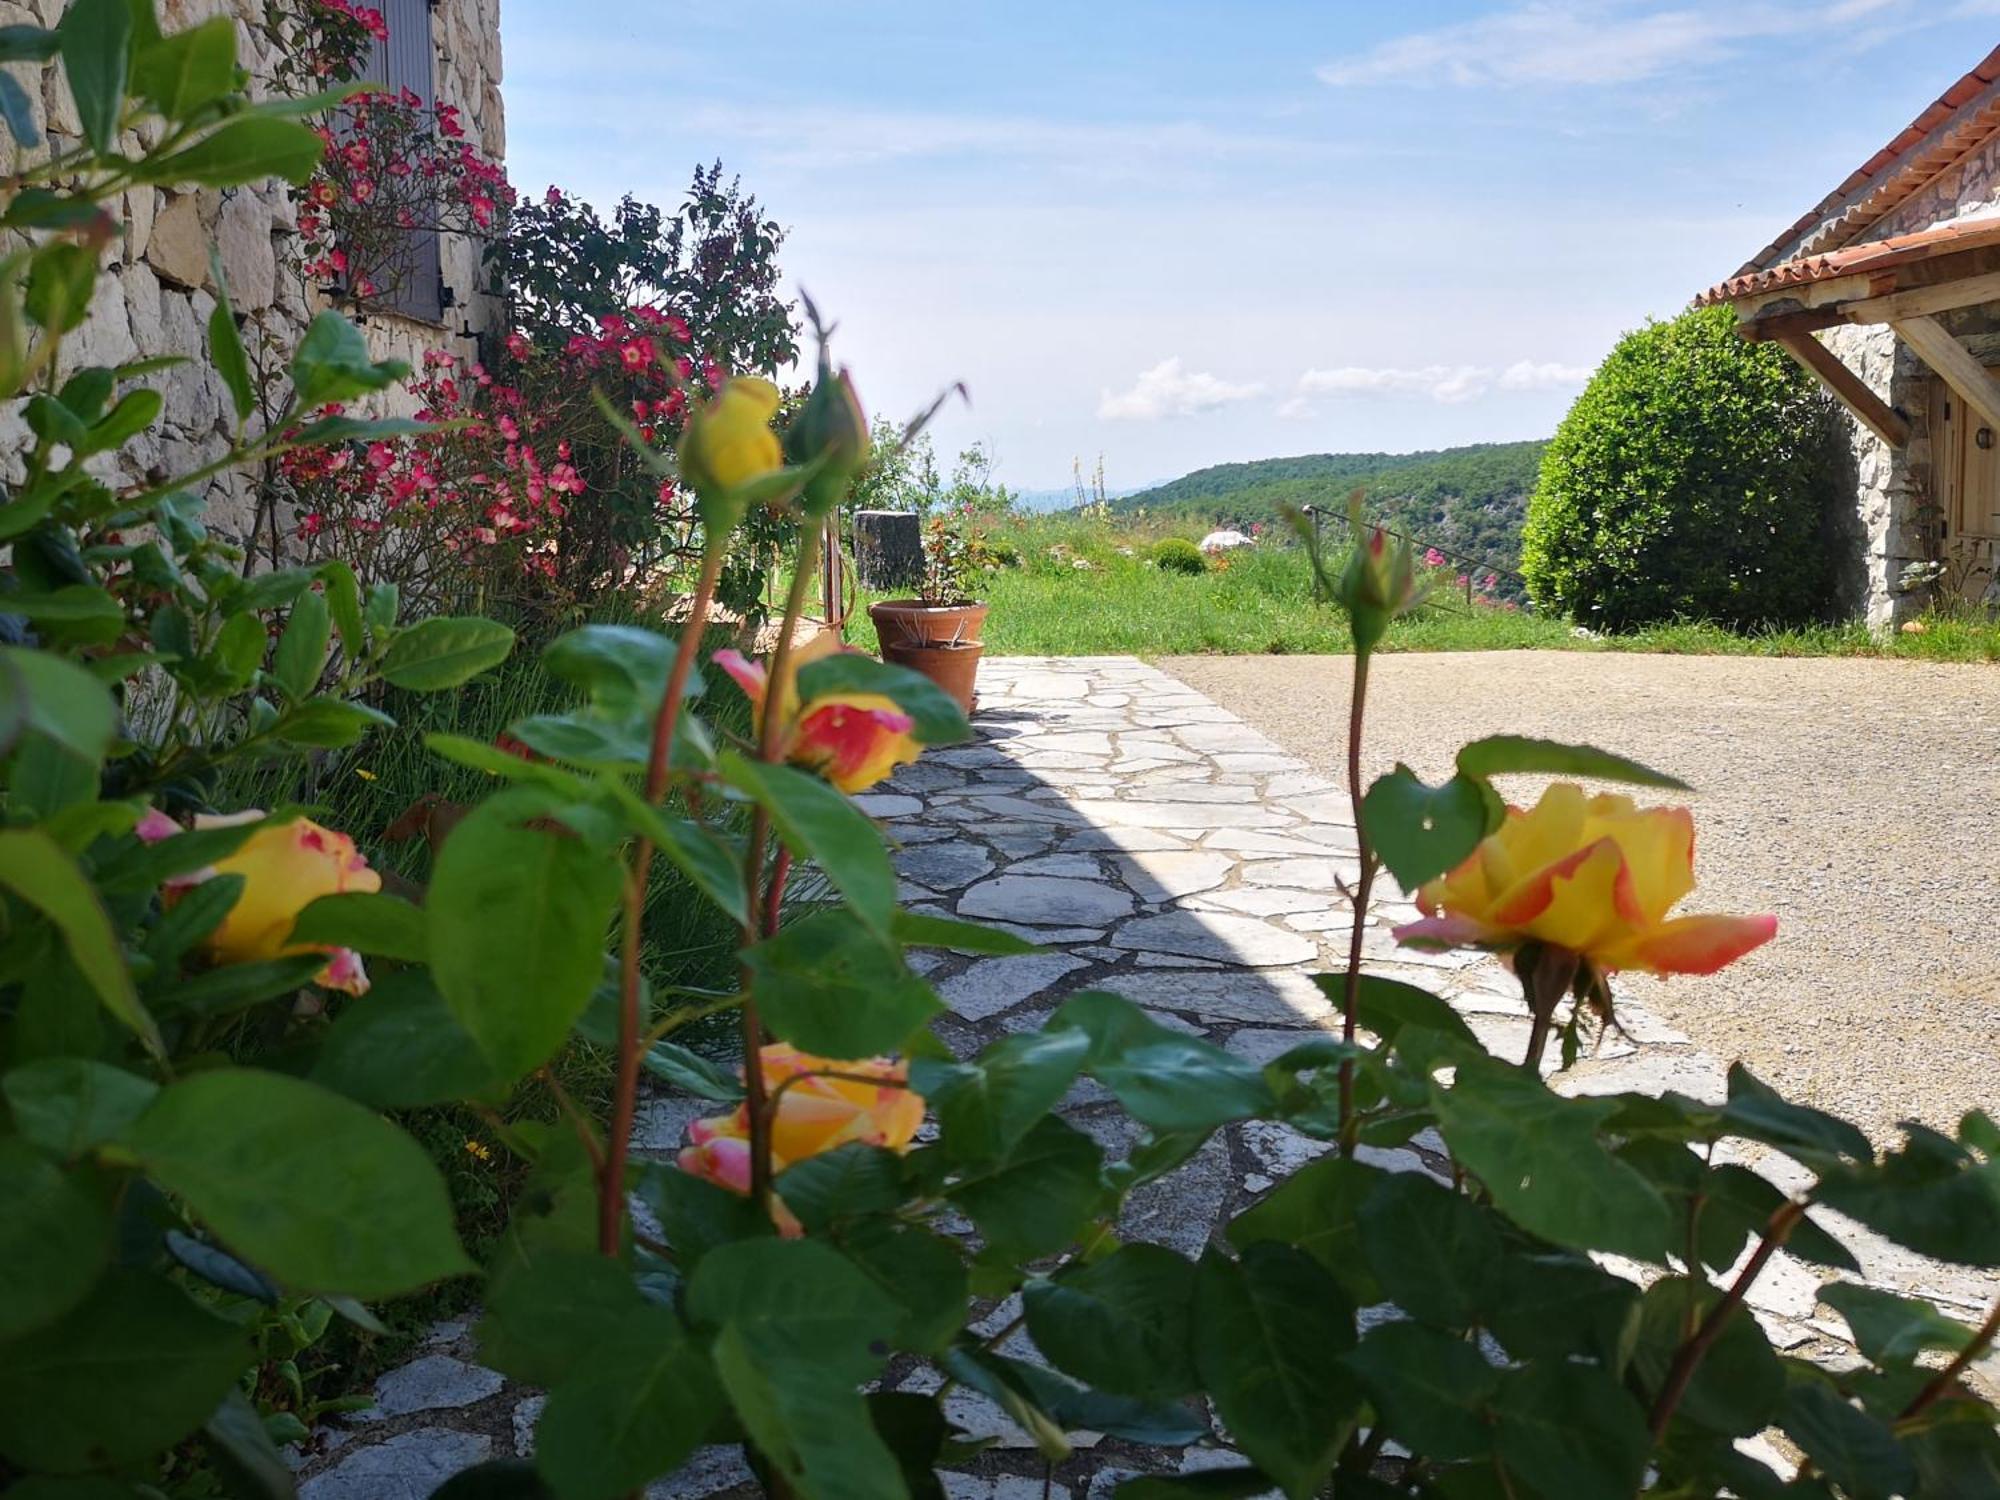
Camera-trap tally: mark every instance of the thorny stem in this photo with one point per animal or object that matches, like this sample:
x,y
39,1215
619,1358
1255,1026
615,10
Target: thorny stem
x,y
1351,1000
1944,1379
1688,1358
575,1117
770,746
625,1097
774,896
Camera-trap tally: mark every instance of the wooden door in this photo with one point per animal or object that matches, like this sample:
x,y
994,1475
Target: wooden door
x,y
1965,460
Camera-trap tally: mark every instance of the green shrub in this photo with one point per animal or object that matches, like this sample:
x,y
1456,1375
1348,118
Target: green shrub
x,y
1691,479
1177,554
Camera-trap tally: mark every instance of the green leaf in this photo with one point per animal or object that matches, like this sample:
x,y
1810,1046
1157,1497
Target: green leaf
x,y
636,1408
239,649
1167,1081
691,1073
1038,1199
443,652
548,1316
76,604
403,1049
1071,1407
95,38
1569,1430
517,917
1422,831
714,867
245,149
64,702
1892,1330
1318,1209
301,653
1814,1137
378,925
1269,1332
187,69
986,1106
28,44
830,986
698,1216
938,719
60,280
231,988
343,602
241,1447
380,604
35,869
1541,1158
19,113
324,1194
54,1239
134,413
1934,1197
1550,1306
1853,1449
1502,754
329,723
1392,1009
799,1294
622,668
133,1369
1431,1388
332,361
1124,1323
482,755
262,591
67,1105
1738,1385
845,1183
808,1423
914,929
818,823
1432,1250
925,1274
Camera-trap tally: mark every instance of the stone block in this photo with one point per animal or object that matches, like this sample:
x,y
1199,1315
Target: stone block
x,y
243,243
178,245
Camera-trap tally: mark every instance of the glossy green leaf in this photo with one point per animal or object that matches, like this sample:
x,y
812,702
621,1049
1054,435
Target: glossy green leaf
x,y
64,702
60,280
1812,1136
443,652
300,656
67,1105
516,916
229,988
1422,831
635,1409
324,1194
1506,754
1318,1209
333,362
699,1216
132,1369
403,1049
244,149
546,1317
379,925
329,723
1073,1407
1889,1329
818,823
1933,1196
1555,1304
1737,1387
54,1239
697,852
915,929
1432,1250
1269,1330
986,1106
1165,1079
35,869
95,38
830,986
1569,1430
343,602
1430,1387
845,1183
809,1424
187,69
938,720
691,1073
1853,1449
135,412
622,668
241,1447
801,1293
1038,1199
28,43
1541,1158
1123,1323
923,1272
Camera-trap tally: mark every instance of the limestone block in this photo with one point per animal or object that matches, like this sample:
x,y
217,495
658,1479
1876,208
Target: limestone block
x,y
178,246
139,207
142,311
193,405
243,241
105,335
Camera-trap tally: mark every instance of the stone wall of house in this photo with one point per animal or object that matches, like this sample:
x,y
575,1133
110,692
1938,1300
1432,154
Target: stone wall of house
x,y
156,298
1970,188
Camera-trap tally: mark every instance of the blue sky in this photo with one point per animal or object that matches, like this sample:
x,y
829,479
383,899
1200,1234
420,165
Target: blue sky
x,y
1180,233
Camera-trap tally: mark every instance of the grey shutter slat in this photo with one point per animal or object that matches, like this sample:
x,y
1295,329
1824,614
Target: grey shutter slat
x,y
406,61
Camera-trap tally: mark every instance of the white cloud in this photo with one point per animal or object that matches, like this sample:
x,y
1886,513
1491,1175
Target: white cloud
x,y
1449,385
1168,390
1582,42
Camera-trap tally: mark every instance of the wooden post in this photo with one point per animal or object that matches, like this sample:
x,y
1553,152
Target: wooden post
x,y
1869,409
888,549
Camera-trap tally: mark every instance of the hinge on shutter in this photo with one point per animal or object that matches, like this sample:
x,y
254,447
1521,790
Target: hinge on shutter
x,y
447,294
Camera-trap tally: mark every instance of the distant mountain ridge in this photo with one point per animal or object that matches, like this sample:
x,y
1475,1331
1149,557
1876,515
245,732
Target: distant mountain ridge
x,y
1470,499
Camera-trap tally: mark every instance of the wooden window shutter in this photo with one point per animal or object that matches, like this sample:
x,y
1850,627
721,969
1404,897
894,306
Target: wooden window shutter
x,y
407,61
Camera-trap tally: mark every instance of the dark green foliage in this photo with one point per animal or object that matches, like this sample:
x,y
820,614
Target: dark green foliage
x,y
1692,480
1179,555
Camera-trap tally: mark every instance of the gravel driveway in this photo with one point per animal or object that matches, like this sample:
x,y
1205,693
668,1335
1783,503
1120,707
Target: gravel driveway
x,y
1857,799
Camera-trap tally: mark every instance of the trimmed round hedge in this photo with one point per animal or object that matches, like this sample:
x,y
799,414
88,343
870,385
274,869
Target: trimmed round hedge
x,y
1693,479
1177,554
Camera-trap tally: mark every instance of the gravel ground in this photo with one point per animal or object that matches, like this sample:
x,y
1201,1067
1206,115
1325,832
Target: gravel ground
x,y
1857,799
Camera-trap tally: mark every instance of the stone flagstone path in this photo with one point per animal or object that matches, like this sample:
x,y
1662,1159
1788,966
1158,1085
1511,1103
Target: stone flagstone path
x,y
1158,847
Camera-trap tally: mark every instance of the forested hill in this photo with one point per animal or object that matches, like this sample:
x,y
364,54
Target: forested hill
x,y
1471,499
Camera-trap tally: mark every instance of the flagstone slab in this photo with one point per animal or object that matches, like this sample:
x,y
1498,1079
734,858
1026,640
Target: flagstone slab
x,y
1045,900
1224,937
1269,997
945,867
993,985
1166,875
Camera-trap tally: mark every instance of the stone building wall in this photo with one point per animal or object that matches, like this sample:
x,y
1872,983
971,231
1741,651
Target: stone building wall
x,y
156,298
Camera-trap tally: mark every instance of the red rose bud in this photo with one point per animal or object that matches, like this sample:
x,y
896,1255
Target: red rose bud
x,y
1379,582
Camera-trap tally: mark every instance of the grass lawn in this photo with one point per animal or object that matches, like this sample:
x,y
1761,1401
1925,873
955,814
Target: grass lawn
x,y
1259,601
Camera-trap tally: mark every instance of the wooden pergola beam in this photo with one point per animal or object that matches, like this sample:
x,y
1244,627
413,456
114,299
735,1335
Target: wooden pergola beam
x,y
1951,359
1775,327
1869,409
1923,301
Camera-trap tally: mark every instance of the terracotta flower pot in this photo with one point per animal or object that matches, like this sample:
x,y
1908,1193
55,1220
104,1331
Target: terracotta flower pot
x,y
939,640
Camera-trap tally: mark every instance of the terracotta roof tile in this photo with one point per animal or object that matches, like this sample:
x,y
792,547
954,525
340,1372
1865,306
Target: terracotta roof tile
x,y
1876,255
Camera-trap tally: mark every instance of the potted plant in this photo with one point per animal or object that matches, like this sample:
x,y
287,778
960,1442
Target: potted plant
x,y
937,633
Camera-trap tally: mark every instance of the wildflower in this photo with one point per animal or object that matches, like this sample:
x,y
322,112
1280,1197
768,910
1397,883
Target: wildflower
x,y
1594,876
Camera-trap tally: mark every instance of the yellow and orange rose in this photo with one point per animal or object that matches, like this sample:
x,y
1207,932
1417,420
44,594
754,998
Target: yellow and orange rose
x,y
1594,875
814,1113
285,868
852,739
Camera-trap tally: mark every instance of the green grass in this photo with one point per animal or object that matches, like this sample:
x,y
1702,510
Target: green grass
x,y
1259,601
